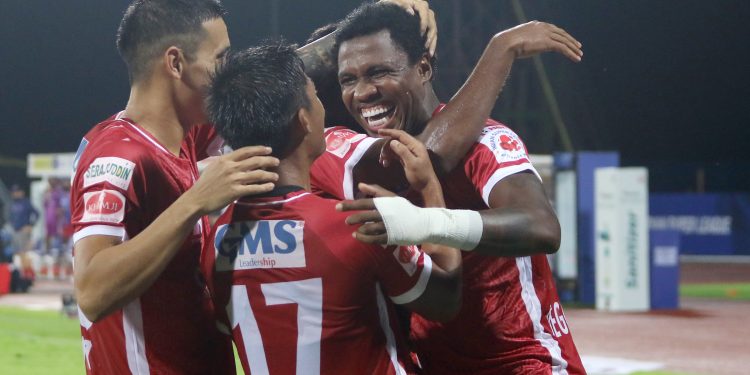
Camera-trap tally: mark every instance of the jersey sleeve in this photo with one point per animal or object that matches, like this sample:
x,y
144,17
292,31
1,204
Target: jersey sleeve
x,y
499,153
402,270
106,190
332,172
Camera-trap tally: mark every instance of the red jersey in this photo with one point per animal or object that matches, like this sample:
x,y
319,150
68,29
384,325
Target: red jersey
x,y
123,180
511,320
301,295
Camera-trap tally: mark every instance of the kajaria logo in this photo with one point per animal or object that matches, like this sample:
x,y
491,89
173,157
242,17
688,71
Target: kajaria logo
x,y
105,206
116,171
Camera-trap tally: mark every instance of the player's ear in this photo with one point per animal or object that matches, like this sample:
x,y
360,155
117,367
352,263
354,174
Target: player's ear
x,y
424,67
174,62
304,120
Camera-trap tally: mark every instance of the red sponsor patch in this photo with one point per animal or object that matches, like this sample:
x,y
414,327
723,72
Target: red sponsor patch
x,y
104,205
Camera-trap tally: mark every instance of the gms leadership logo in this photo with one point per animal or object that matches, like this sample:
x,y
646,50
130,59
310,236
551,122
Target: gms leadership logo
x,y
249,245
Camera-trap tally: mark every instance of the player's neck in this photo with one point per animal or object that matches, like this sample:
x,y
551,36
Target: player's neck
x,y
294,170
151,108
431,103
424,112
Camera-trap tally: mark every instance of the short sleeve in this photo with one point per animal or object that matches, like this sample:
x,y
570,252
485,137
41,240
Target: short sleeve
x,y
332,172
499,153
105,192
403,271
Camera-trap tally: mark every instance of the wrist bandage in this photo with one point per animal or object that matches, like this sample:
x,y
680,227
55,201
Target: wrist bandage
x,y
408,224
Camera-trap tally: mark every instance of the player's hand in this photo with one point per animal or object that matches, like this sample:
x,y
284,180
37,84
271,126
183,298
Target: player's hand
x,y
536,37
427,23
232,176
372,229
413,157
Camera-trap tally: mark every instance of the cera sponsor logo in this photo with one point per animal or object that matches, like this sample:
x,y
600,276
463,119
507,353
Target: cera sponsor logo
x,y
116,171
104,205
260,244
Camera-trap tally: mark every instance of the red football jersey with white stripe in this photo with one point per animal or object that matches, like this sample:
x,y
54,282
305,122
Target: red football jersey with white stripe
x,y
123,180
511,320
301,295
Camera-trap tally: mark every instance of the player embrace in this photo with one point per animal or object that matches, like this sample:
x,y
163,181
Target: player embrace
x,y
298,293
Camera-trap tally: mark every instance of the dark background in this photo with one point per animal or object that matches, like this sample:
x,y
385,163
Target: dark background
x,y
666,83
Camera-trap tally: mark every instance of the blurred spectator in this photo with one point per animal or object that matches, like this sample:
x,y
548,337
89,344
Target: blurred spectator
x,y
65,260
53,217
22,218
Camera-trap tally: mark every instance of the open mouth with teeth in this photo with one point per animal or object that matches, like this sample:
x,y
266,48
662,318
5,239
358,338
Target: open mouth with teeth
x,y
378,116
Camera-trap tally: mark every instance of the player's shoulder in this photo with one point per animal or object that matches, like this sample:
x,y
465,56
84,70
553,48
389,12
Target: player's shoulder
x,y
113,138
320,215
340,139
501,140
319,211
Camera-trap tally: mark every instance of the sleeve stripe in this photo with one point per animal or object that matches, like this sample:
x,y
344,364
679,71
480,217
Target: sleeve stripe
x,y
418,288
501,173
359,151
104,230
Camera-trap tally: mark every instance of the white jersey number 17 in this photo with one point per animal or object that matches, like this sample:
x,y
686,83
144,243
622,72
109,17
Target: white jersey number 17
x,y
308,295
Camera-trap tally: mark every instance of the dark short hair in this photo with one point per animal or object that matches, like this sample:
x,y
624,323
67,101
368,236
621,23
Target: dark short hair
x,y
371,18
321,32
150,26
256,93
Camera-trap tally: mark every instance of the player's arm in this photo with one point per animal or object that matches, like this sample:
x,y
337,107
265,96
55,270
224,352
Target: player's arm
x,y
520,220
451,133
110,273
441,298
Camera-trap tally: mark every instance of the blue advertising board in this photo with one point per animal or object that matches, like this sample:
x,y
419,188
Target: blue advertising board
x,y
709,224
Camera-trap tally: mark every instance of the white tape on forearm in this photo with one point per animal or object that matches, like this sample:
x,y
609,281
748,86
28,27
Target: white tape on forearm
x,y
407,224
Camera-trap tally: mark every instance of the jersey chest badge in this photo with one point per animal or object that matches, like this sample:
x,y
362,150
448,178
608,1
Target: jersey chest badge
x,y
338,142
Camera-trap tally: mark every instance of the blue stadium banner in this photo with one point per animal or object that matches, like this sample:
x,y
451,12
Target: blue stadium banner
x,y
709,224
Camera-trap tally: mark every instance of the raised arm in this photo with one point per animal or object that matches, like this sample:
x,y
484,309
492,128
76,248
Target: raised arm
x,y
111,273
451,133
